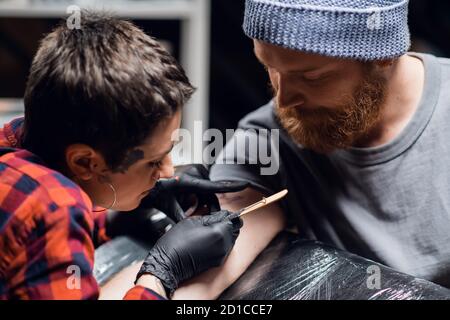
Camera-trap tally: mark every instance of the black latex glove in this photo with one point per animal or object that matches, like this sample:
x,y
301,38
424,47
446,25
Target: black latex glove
x,y
146,225
191,247
190,186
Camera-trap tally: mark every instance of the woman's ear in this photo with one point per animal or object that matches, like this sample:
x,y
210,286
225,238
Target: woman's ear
x,y
84,162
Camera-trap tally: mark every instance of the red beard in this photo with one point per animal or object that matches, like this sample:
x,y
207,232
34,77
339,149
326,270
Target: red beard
x,y
324,130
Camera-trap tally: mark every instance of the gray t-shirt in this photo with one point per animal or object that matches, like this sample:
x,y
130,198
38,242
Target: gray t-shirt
x,y
389,203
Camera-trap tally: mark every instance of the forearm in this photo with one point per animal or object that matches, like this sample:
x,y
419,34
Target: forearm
x,y
122,284
153,283
260,227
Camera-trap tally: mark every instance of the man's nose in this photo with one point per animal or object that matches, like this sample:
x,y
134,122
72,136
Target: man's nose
x,y
289,94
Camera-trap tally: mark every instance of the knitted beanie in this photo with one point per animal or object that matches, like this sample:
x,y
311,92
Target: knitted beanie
x,y
356,29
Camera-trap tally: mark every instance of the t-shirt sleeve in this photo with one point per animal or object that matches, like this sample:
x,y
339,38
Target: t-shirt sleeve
x,y
252,154
255,154
240,161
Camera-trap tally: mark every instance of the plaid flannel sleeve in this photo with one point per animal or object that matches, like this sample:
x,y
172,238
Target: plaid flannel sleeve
x,y
141,293
58,263
100,235
58,260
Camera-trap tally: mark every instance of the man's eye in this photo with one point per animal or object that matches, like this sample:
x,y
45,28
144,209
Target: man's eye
x,y
311,79
317,78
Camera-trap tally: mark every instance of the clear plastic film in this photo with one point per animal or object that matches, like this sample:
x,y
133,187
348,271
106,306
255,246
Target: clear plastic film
x,y
115,255
294,269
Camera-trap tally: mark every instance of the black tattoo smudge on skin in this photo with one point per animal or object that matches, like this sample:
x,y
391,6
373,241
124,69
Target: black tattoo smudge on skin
x,y
131,158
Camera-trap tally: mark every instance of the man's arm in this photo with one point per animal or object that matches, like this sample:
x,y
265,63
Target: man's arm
x,y
260,227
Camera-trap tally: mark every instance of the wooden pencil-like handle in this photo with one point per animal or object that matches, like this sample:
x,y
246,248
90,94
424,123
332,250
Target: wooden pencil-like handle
x,y
264,202
253,208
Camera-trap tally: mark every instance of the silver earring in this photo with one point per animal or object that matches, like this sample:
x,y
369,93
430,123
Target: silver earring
x,y
114,199
115,196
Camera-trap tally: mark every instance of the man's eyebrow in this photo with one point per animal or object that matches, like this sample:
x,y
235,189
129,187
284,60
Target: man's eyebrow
x,y
306,70
326,68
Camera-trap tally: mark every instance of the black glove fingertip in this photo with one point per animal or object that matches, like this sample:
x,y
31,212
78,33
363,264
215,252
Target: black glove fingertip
x,y
236,220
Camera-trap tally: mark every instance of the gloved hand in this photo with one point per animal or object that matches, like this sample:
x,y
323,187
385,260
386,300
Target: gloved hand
x,y
191,247
190,186
146,225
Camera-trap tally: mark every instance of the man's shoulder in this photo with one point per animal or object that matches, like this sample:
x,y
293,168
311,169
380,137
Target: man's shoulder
x,y
441,78
261,118
445,71
444,61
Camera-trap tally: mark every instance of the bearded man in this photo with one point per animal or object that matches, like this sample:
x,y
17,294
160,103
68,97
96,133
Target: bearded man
x,y
364,131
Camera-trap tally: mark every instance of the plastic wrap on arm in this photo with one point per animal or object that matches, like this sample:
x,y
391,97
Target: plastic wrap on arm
x,y
291,268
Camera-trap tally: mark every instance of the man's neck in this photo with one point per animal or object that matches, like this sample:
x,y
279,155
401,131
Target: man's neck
x,y
404,91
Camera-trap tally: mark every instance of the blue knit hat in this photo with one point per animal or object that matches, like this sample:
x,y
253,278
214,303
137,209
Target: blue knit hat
x,y
356,29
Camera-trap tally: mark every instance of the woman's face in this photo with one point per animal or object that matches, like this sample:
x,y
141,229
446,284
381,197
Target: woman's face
x,y
142,167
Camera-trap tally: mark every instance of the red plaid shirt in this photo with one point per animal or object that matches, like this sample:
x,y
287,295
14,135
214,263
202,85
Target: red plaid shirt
x,y
48,231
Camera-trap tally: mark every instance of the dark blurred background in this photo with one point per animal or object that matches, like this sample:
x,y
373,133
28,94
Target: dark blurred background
x,y
238,84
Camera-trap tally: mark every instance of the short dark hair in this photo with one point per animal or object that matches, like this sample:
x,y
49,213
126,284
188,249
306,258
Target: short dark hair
x,y
106,84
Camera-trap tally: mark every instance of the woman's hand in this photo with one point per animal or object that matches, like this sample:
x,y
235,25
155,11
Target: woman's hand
x,y
190,187
191,247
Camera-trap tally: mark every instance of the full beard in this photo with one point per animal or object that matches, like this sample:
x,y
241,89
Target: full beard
x,y
324,130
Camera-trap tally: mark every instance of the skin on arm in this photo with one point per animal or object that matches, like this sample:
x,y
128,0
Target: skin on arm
x,y
117,287
260,227
151,282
